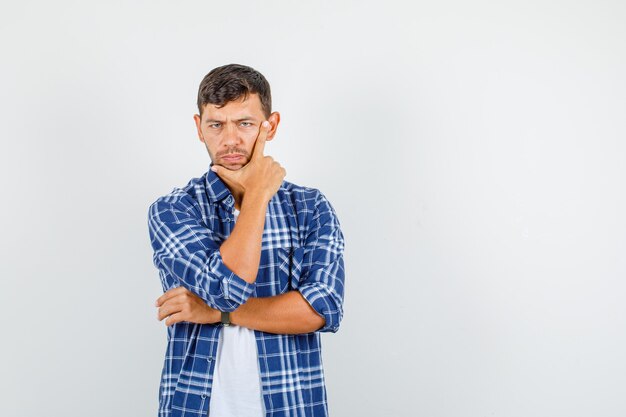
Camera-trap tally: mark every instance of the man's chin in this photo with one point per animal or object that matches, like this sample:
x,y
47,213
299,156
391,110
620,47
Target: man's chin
x,y
233,166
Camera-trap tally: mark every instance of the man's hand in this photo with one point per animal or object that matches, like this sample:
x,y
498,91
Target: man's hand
x,y
180,304
261,175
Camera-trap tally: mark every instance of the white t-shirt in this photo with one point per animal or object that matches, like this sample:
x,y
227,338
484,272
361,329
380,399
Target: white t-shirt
x,y
237,378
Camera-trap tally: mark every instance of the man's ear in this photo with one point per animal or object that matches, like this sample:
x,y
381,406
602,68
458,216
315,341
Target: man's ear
x,y
198,120
274,119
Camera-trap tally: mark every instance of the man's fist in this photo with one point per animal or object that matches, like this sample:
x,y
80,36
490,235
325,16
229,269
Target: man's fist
x,y
261,175
180,304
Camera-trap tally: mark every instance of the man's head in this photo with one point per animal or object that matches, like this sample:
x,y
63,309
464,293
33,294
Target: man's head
x,y
233,101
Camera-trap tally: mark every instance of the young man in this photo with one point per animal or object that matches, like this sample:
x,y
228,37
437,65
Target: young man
x,y
251,267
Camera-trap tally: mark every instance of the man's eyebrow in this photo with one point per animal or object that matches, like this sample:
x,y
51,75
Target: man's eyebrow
x,y
237,120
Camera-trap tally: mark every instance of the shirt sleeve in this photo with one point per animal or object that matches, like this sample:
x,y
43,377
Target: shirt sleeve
x,y
322,281
184,249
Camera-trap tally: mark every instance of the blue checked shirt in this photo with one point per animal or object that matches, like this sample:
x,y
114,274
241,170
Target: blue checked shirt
x,y
302,250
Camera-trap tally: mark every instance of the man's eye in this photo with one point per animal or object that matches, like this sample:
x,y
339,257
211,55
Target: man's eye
x,y
214,125
246,123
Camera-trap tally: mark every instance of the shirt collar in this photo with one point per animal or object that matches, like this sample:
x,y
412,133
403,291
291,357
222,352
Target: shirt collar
x,y
216,189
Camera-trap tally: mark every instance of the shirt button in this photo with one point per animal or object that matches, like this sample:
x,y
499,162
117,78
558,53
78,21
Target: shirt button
x,y
203,396
209,359
229,199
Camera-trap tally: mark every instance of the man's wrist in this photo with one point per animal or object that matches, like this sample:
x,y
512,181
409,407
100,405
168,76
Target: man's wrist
x,y
213,316
236,316
233,317
255,198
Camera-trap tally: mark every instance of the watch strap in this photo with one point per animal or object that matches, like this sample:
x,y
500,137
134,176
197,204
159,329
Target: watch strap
x,y
225,318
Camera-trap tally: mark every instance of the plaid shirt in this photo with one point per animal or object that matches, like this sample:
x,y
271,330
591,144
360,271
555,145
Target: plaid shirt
x,y
302,250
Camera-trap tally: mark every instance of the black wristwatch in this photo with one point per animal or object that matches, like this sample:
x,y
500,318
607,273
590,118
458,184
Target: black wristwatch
x,y
225,318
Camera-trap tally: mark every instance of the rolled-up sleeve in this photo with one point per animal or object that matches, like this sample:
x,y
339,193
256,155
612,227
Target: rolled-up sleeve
x,y
184,250
323,275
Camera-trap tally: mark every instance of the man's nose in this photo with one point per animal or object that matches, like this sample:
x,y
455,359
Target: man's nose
x,y
231,135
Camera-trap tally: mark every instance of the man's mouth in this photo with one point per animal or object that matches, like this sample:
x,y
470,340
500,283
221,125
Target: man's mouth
x,y
232,157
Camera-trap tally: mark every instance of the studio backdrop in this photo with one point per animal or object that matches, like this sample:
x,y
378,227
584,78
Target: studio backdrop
x,y
473,151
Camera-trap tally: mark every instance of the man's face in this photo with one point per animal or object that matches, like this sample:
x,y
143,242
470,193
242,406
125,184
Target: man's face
x,y
229,133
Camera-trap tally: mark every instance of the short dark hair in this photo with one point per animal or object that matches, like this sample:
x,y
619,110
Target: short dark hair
x,y
231,82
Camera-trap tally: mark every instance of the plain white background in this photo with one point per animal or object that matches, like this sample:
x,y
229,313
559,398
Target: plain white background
x,y
474,153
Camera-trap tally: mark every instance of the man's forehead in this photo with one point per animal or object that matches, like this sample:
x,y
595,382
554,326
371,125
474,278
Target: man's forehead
x,y
235,109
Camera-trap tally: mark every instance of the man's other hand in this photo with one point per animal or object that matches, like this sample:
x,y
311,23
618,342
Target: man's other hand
x,y
179,304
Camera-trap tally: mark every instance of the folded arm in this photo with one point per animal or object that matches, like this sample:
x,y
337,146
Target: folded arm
x,y
287,313
317,302
187,255
315,305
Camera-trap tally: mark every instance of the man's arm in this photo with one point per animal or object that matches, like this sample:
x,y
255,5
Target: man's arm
x,y
222,276
287,313
317,304
241,251
321,281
